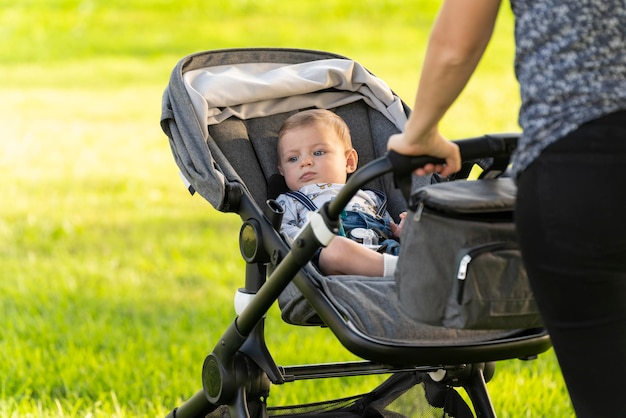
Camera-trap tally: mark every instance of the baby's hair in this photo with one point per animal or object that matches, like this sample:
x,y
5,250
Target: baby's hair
x,y
314,117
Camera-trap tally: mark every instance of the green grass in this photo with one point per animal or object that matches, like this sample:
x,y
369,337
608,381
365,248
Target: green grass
x,y
114,282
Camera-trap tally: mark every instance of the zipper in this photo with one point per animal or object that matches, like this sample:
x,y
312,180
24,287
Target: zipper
x,y
472,253
418,212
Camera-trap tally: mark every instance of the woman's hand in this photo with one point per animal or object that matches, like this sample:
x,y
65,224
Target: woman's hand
x,y
433,145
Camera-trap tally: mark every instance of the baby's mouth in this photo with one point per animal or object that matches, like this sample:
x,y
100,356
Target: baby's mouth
x,y
307,176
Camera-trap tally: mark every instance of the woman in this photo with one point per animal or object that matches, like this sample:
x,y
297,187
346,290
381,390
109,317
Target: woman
x,y
570,166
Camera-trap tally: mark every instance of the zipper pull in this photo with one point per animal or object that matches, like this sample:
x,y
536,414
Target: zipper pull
x,y
418,212
462,272
460,276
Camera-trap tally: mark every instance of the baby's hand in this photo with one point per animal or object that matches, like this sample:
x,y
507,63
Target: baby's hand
x,y
396,229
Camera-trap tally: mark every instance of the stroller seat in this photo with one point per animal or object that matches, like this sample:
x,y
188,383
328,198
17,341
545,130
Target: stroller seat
x,y
222,111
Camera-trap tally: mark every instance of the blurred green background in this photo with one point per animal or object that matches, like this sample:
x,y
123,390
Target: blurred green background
x,y
114,282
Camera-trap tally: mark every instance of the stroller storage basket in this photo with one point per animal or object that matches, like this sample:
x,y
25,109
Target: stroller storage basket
x,y
460,238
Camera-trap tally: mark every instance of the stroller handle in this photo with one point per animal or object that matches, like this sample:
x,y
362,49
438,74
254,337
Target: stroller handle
x,y
486,146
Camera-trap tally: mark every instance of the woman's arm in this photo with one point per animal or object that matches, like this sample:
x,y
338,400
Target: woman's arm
x,y
457,41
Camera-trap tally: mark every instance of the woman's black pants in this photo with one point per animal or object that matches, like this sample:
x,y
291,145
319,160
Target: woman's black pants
x,y
571,222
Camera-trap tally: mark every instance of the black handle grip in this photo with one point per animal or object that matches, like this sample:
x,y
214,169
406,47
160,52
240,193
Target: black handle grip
x,y
487,146
403,165
471,148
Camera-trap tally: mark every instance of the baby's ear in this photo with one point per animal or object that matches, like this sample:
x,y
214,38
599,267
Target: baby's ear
x,y
352,160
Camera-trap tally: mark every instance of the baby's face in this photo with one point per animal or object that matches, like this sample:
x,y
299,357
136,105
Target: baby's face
x,y
313,154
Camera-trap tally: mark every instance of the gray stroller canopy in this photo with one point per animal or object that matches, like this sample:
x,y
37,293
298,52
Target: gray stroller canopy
x,y
200,95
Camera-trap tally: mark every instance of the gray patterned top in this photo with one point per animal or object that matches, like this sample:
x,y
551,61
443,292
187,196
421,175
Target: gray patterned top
x,y
571,66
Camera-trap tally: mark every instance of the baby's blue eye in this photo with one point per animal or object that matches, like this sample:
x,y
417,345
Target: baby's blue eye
x,y
292,159
318,153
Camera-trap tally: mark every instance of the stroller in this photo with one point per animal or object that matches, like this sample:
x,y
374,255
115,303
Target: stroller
x,y
222,111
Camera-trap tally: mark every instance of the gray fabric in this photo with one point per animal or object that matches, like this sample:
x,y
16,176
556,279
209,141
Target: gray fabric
x,y
469,197
252,90
189,147
469,221
371,304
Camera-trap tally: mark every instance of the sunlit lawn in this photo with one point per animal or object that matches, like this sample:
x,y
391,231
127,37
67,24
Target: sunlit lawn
x,y
114,282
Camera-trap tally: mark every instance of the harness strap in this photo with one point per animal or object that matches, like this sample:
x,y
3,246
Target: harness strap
x,y
382,201
302,198
308,203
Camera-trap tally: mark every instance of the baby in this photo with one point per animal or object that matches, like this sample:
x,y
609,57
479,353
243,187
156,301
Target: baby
x,y
315,156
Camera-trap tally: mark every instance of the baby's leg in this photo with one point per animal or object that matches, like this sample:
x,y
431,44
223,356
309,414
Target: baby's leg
x,y
344,256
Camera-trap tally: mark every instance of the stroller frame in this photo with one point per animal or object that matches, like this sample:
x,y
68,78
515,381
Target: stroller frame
x,y
240,370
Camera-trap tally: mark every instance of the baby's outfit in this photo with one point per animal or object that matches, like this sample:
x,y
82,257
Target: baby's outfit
x,y
365,211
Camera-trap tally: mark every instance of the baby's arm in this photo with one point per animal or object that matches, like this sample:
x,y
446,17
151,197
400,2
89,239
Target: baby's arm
x,y
396,229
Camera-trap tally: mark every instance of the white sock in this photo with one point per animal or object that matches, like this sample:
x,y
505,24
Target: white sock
x,y
389,263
